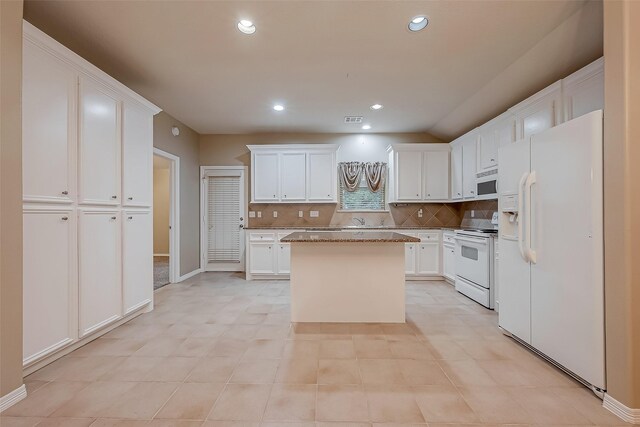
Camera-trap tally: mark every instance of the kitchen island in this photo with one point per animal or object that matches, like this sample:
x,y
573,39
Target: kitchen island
x,y
347,276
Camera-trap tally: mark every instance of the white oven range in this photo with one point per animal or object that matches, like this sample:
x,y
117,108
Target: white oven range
x,y
474,265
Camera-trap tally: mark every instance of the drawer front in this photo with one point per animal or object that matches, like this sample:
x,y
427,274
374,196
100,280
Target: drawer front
x,y
432,236
262,237
449,238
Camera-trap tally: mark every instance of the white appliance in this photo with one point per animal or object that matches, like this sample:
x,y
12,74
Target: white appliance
x,y
474,265
551,246
487,185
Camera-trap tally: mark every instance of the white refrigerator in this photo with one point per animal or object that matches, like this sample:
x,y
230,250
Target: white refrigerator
x,y
551,268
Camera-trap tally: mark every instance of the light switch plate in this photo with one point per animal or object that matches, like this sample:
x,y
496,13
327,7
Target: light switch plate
x,y
259,214
275,214
419,213
300,214
252,214
314,214
473,213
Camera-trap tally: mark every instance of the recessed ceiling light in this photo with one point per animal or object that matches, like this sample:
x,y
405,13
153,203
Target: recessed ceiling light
x,y
278,107
366,127
245,26
418,23
376,107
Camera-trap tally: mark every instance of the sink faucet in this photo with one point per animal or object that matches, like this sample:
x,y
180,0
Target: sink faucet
x,y
359,220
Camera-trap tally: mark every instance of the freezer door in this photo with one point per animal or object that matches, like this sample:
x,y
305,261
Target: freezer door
x,y
514,272
566,220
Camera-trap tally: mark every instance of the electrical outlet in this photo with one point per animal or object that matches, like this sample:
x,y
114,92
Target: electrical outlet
x,y
259,214
473,213
252,214
314,214
300,214
419,213
275,214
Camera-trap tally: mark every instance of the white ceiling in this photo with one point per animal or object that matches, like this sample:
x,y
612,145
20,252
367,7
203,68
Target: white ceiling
x,y
321,59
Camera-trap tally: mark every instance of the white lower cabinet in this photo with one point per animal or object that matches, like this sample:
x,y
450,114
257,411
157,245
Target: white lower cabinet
x,y
50,279
410,258
448,262
267,256
283,256
99,267
261,260
428,258
137,260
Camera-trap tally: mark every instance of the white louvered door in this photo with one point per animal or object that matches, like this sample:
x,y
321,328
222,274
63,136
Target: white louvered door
x,y
223,219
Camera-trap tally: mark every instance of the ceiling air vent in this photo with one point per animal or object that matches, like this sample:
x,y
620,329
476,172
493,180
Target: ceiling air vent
x,y
353,119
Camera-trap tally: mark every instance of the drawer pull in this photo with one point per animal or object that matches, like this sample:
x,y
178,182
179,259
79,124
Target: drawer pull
x,y
65,218
113,217
65,192
114,197
129,198
130,217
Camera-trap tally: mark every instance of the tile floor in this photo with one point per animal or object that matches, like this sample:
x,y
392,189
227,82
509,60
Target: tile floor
x,y
219,352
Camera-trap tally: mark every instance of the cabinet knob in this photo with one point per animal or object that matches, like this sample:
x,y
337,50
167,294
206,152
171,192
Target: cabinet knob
x,y
113,217
417,195
493,160
274,196
129,198
429,195
130,217
458,194
285,196
65,192
65,218
114,197
473,192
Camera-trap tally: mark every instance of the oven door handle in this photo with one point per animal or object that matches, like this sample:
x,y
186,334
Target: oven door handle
x,y
478,240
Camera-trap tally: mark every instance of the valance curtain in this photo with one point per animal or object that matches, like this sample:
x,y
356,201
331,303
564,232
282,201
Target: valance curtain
x,y
351,173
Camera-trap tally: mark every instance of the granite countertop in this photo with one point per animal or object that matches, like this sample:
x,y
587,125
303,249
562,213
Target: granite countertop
x,y
349,228
348,236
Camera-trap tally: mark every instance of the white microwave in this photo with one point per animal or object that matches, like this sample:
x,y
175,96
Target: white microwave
x,y
487,185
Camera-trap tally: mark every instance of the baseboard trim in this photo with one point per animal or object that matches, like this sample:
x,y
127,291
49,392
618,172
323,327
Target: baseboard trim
x,y
160,254
629,415
189,275
13,397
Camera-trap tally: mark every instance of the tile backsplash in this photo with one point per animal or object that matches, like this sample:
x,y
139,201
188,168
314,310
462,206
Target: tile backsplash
x,y
405,215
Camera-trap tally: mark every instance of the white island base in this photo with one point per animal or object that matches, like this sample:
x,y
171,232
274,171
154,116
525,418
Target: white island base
x,y
348,282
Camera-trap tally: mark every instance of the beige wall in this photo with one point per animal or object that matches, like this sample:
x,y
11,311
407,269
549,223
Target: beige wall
x,y
622,199
161,210
10,196
184,146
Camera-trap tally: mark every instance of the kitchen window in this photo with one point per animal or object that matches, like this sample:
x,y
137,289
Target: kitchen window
x,y
362,199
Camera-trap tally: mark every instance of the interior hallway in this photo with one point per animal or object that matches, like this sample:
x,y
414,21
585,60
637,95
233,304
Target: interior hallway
x,y
219,351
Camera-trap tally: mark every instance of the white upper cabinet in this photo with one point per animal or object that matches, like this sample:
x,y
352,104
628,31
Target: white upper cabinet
x,y
293,172
408,167
491,136
456,171
504,131
265,175
322,173
49,102
469,165
137,260
100,267
418,172
539,112
583,91
99,144
50,282
137,158
436,175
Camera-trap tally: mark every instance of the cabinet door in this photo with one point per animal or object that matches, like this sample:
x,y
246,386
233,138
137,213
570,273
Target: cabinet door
x,y
436,175
50,280
429,258
409,175
504,132
284,258
265,177
99,145
293,177
582,94
448,262
137,159
137,260
469,167
262,258
100,263
49,102
540,112
487,156
456,171
410,258
321,177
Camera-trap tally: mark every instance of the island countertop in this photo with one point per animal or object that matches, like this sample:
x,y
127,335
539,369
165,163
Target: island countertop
x,y
348,236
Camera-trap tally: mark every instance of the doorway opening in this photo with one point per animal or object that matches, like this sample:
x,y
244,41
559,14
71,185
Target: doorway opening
x,y
165,219
223,212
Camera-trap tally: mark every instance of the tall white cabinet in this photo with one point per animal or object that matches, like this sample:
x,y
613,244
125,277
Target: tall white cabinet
x,y
87,198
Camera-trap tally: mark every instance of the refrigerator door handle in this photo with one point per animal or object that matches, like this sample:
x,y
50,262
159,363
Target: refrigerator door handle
x,y
520,218
531,254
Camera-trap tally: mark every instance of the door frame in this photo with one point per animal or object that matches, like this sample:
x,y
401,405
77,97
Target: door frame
x,y
174,213
244,170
